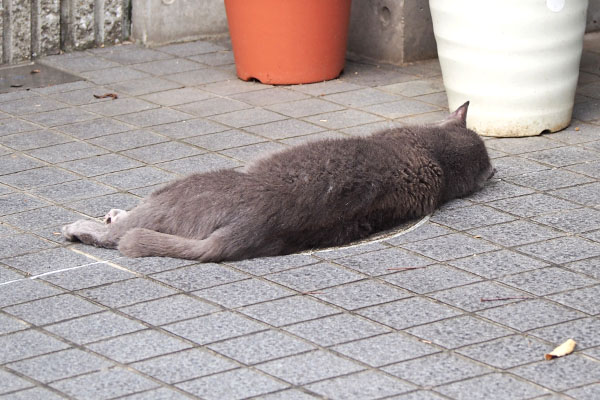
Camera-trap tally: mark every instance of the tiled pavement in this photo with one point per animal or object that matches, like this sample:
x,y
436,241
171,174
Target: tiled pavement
x,y
84,323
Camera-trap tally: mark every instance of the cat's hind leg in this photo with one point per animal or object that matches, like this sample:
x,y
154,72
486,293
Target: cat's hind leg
x,y
140,242
89,232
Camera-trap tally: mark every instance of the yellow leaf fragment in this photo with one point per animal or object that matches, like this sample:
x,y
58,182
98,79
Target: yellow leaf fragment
x,y
562,350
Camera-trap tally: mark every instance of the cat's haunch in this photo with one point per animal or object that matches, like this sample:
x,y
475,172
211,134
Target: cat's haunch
x,y
319,194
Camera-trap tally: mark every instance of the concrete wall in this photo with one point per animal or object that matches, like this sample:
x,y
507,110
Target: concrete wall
x,y
156,22
32,28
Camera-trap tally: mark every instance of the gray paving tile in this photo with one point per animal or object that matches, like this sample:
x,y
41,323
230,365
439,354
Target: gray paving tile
x,y
261,98
530,314
60,117
18,202
200,76
190,48
361,294
287,128
78,61
105,384
233,86
244,118
216,58
409,312
155,116
326,87
200,164
532,205
587,111
515,166
73,190
119,107
385,349
157,394
449,247
583,331
81,278
382,262
214,327
549,179
516,233
588,392
178,96
37,177
15,163
33,393
149,265
254,151
25,290
260,347
562,250
470,217
9,324
83,96
415,88
363,385
342,119
123,293
113,75
361,97
243,293
66,152
522,145
199,276
507,352
129,54
98,206
562,373
29,105
138,87
127,140
582,194
138,346
291,394
65,364
401,108
563,156
11,382
336,329
33,140
336,253
313,277
572,221
371,128
458,332
189,128
24,344
589,267
288,310
547,281
98,127
469,297
430,278
214,106
135,178
418,395
304,107
236,384
224,140
41,217
309,367
162,152
266,265
497,189
590,168
94,327
184,365
586,299
52,309
169,309
491,387
436,369
22,244
13,125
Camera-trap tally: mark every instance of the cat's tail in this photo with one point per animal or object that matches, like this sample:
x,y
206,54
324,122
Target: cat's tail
x,y
140,242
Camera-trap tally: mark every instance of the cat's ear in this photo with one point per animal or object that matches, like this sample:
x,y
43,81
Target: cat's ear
x,y
460,115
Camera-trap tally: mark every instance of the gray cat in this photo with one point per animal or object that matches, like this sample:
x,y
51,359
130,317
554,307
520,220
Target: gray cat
x,y
319,194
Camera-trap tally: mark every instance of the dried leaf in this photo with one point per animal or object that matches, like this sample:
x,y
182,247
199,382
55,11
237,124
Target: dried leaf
x,y
562,350
16,85
35,71
577,128
113,96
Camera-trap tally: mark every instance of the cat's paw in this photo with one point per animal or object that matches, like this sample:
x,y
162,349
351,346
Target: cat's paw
x,y
72,231
114,215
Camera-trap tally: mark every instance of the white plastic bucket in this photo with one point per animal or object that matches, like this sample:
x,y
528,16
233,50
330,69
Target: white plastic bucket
x,y
517,61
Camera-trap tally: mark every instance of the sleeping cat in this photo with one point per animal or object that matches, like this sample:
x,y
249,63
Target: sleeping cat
x,y
319,194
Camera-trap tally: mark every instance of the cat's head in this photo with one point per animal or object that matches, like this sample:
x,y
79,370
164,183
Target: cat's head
x,y
462,155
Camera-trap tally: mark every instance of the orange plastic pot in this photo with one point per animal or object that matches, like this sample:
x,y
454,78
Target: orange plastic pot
x,y
288,41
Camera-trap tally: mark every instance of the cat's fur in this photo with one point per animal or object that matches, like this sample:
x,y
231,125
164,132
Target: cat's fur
x,y
319,194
